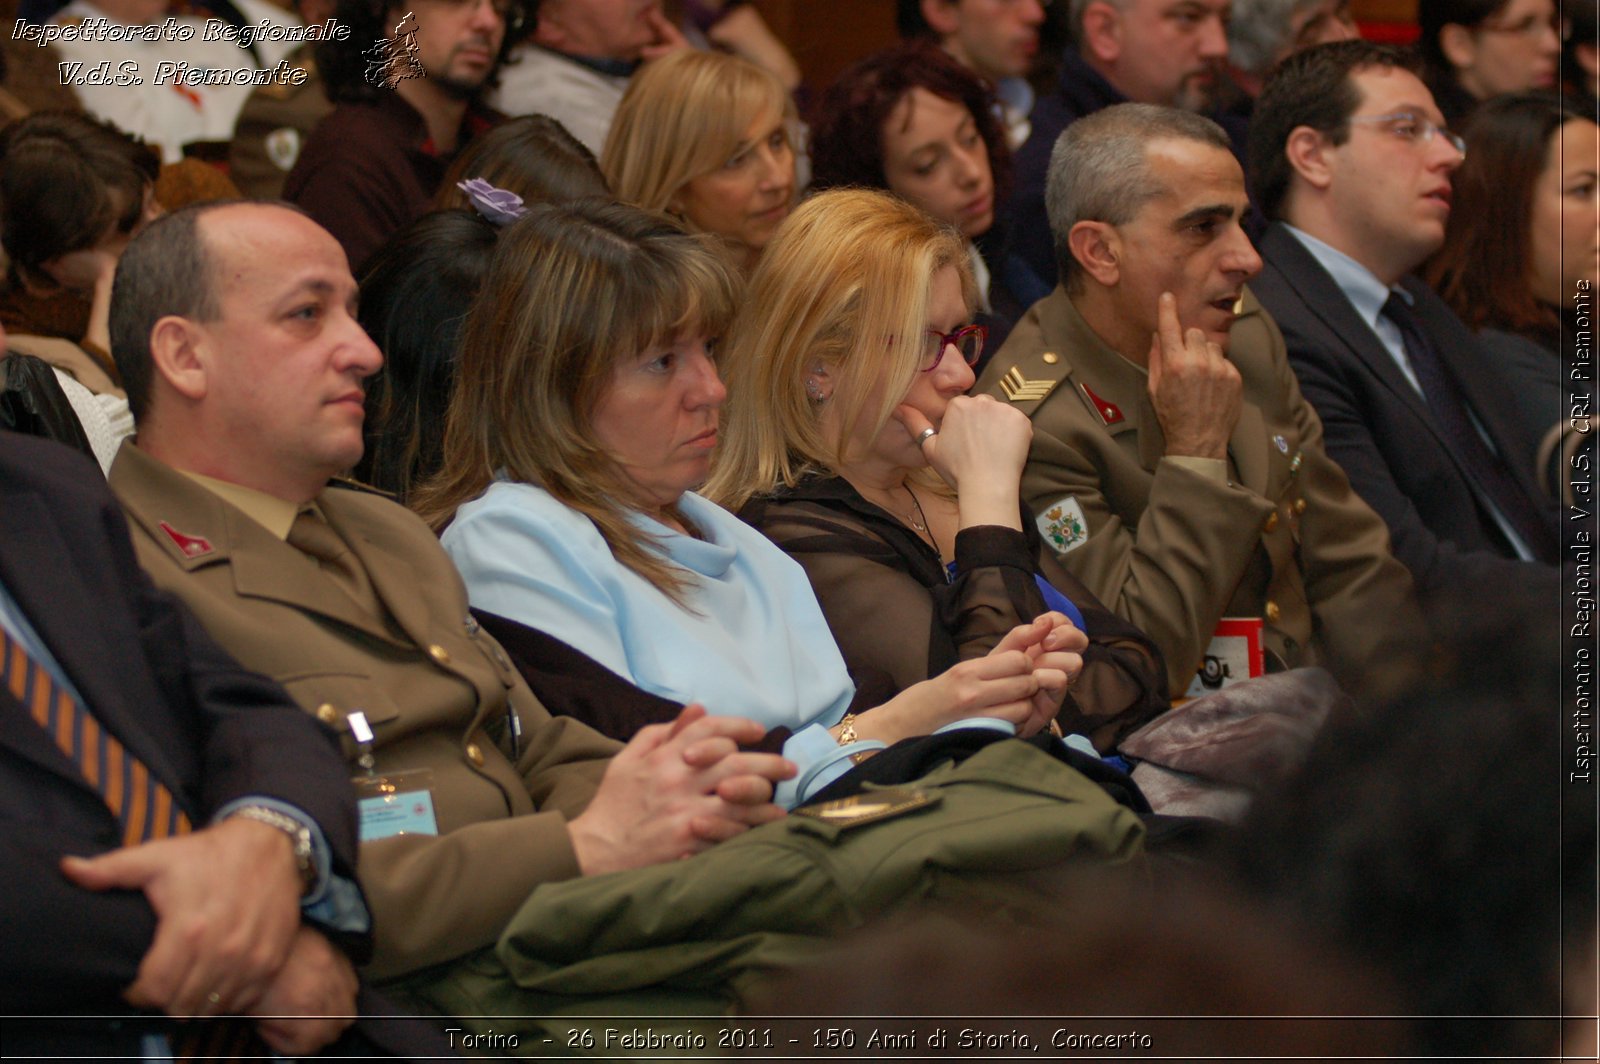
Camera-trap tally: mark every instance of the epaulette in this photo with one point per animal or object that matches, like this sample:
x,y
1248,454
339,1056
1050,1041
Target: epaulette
x,y
1030,379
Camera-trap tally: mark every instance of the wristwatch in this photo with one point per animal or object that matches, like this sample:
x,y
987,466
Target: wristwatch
x,y
299,838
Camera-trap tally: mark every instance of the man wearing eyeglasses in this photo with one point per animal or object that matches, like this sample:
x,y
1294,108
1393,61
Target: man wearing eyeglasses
x,y
1350,159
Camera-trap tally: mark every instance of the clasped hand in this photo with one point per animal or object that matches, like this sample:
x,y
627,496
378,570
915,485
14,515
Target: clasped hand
x,y
675,790
227,902
228,934
1022,681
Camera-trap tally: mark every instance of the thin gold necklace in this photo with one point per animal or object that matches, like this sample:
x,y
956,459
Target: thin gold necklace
x,y
922,524
918,520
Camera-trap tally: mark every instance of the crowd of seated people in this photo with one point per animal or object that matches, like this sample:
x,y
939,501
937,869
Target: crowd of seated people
x,y
614,471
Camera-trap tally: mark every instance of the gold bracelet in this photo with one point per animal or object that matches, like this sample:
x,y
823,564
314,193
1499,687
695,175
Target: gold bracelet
x,y
847,729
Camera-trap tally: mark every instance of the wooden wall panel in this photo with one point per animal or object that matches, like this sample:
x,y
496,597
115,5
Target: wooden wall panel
x,y
828,35
1384,10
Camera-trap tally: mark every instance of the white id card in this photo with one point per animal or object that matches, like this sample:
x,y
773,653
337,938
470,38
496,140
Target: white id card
x,y
400,803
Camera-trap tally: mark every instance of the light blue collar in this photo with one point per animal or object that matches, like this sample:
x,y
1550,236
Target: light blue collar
x,y
1360,285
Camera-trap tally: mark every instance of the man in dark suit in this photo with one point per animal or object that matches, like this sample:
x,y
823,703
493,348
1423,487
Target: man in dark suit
x,y
123,919
1349,159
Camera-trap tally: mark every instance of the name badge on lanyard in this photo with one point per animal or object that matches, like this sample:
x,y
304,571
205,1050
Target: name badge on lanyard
x,y
394,803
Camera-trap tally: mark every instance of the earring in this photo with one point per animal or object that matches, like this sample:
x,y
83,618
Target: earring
x,y
814,390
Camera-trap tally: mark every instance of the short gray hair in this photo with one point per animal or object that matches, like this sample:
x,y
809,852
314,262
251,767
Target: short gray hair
x,y
1259,30
1098,170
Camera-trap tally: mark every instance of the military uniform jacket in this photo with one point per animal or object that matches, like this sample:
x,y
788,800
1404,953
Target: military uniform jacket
x,y
273,126
1173,551
439,695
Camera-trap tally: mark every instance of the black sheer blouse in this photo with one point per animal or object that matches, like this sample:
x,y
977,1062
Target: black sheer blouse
x,y
885,595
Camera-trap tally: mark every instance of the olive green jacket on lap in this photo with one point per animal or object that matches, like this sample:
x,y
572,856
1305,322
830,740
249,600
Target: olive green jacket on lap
x,y
988,838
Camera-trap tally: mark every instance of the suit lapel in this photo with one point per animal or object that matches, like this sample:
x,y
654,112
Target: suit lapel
x,y
1248,449
1324,298
1481,385
64,612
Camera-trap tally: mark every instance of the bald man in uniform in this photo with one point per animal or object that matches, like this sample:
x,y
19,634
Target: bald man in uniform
x,y
1175,467
234,325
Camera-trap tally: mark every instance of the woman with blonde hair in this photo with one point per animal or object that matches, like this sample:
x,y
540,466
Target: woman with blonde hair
x,y
586,411
704,136
852,444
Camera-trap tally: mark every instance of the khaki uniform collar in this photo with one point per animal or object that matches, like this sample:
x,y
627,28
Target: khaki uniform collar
x,y
270,512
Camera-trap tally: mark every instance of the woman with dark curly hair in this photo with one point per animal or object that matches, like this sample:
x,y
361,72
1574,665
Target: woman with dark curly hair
x,y
913,121
414,297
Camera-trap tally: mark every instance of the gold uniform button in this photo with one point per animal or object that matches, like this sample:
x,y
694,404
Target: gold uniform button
x,y
327,714
1050,358
1299,506
1273,612
439,654
1272,521
475,755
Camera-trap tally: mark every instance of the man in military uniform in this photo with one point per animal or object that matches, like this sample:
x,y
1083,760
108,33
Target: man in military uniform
x,y
273,126
1175,466
245,370
277,119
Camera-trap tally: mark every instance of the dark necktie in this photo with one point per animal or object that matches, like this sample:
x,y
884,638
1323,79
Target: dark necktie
x,y
1450,412
312,535
140,802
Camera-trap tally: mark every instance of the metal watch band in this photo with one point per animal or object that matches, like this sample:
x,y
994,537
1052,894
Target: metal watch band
x,y
299,838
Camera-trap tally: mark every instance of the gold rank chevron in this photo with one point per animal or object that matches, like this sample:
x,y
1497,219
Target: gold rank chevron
x,y
1020,389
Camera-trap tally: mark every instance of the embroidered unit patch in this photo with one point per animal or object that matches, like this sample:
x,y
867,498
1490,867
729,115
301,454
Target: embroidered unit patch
x,y
1062,524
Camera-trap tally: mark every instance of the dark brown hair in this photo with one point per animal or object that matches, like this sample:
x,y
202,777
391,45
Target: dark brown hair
x,y
1483,269
65,179
533,156
847,130
1312,88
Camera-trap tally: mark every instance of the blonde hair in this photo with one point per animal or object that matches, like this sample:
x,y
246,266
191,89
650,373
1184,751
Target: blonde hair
x,y
682,117
844,284
573,291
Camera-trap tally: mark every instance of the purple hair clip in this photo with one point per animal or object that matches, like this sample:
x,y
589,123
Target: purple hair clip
x,y
496,205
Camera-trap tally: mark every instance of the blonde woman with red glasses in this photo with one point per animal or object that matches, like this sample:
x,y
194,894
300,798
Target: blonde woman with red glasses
x,y
850,442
